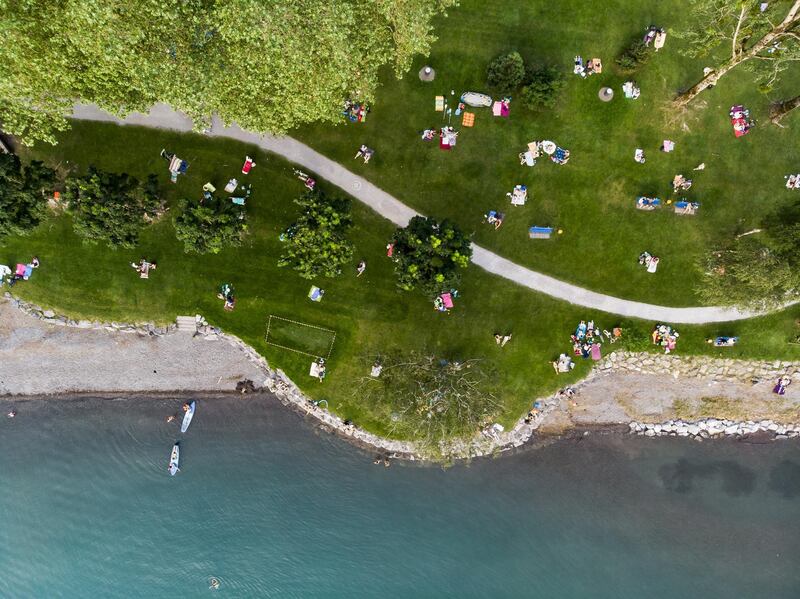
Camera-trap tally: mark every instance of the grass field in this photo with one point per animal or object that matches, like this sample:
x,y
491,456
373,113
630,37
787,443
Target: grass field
x,y
368,314
591,198
299,337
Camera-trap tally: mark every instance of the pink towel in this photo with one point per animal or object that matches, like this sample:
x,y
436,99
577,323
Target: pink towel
x,y
20,270
596,352
447,300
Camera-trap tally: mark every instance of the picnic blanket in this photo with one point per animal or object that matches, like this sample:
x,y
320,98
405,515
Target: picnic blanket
x,y
439,104
447,300
689,208
500,108
468,120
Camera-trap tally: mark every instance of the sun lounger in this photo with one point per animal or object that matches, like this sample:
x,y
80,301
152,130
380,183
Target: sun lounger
x,y
439,103
468,120
540,232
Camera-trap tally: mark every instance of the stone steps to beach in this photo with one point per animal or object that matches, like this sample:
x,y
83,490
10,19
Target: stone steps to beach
x,y
186,324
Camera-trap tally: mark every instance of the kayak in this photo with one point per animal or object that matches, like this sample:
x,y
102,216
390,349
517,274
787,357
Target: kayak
x,y
187,417
174,459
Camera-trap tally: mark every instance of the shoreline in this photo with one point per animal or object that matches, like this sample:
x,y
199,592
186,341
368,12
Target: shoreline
x,y
597,407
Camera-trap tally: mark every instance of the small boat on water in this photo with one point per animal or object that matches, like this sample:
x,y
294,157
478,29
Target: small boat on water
x,y
187,417
175,459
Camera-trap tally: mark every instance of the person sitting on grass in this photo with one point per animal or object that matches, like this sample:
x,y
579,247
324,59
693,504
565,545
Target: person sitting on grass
x,y
364,152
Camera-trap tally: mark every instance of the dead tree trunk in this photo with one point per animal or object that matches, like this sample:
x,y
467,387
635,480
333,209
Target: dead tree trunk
x,y
737,58
780,109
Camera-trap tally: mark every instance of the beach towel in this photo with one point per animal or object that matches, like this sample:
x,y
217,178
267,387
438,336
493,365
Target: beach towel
x,y
468,120
540,232
658,42
443,143
28,271
596,65
652,264
529,159
315,294
175,164
596,352
439,104
497,108
447,300
20,270
668,145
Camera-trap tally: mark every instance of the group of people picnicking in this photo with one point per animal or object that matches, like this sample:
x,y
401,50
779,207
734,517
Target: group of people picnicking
x,y
665,336
587,341
21,272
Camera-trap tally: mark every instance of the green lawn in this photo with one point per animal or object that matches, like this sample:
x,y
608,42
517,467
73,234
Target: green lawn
x,y
591,198
368,314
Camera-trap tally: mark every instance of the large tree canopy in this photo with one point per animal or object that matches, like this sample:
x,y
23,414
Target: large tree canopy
x,y
267,64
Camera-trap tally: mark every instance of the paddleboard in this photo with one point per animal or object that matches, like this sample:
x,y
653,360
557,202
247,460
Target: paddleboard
x,y
175,459
187,417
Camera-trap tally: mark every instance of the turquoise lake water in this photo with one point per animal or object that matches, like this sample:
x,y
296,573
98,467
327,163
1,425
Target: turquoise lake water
x,y
273,508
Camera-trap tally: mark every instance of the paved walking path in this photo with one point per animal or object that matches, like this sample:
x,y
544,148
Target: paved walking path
x,y
163,117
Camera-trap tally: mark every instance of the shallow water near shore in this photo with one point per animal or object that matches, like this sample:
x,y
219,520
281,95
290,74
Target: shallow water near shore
x,y
272,507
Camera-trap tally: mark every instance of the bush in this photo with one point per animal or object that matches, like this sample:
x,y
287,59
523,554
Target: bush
x,y
210,227
634,57
22,194
428,255
318,244
542,87
111,207
506,73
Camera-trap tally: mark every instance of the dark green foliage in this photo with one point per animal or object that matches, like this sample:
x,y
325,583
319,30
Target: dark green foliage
x,y
23,202
758,270
111,207
318,243
429,254
542,87
506,73
209,227
633,57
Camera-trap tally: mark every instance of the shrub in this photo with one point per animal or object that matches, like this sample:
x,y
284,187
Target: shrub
x,y
209,227
318,244
428,255
633,57
22,194
506,73
111,207
542,87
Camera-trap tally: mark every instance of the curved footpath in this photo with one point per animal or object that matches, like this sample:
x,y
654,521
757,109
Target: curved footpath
x,y
162,116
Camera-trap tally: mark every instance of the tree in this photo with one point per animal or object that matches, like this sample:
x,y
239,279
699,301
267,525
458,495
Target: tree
x,y
23,201
111,207
209,227
753,36
542,87
269,66
634,56
757,271
431,400
428,255
317,244
506,73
